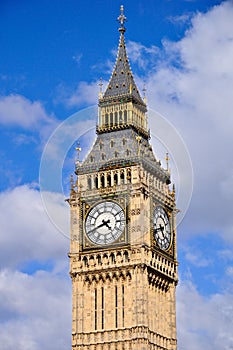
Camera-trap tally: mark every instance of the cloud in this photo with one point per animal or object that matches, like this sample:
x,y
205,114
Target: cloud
x,y
77,58
35,313
85,94
192,86
36,307
203,323
27,232
16,110
141,55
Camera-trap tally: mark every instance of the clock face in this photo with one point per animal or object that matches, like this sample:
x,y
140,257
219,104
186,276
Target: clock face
x,y
105,223
162,228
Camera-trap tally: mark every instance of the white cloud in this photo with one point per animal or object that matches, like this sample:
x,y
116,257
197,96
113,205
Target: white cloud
x,y
203,323
77,58
26,231
85,93
16,110
36,307
192,86
35,313
142,55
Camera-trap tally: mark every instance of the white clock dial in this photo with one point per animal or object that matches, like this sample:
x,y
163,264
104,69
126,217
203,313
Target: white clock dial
x,y
105,223
162,228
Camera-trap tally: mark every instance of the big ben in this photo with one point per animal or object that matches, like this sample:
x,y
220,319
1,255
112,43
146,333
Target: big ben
x,y
123,262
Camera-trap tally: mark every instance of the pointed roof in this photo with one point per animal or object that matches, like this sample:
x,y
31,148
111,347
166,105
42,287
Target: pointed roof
x,y
122,81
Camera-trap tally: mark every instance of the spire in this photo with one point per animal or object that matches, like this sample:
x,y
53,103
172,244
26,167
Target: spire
x,y
122,20
122,83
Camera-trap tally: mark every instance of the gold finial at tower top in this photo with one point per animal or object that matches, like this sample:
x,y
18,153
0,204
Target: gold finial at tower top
x,y
100,90
78,149
144,94
167,160
122,20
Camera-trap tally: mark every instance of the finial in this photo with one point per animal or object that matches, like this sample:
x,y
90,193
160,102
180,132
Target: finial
x,y
71,182
138,138
144,94
167,160
173,191
100,90
78,149
122,20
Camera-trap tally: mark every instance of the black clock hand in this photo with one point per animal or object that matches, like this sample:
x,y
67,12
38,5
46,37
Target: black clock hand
x,y
107,223
160,228
96,228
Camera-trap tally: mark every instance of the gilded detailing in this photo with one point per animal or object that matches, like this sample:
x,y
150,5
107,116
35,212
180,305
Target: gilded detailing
x,y
121,106
144,282
122,256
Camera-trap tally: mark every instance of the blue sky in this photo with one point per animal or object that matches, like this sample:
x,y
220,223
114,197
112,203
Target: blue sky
x,y
52,57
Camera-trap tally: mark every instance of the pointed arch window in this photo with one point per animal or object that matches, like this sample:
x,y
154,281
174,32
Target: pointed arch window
x,y
116,118
89,183
111,118
129,176
106,119
122,177
109,181
120,117
96,182
102,180
115,179
125,117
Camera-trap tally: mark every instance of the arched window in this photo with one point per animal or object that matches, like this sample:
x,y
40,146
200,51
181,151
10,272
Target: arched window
x,y
102,180
111,143
120,117
89,183
122,177
111,118
126,256
116,118
106,119
129,176
125,117
115,179
112,257
85,261
96,182
109,180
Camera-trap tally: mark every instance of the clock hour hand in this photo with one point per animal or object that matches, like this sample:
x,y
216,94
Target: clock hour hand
x,y
106,223
96,228
160,228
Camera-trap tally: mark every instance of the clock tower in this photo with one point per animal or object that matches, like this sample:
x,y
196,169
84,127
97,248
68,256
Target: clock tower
x,y
123,231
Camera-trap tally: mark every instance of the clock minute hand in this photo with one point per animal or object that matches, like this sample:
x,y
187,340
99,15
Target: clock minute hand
x,y
160,228
96,228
